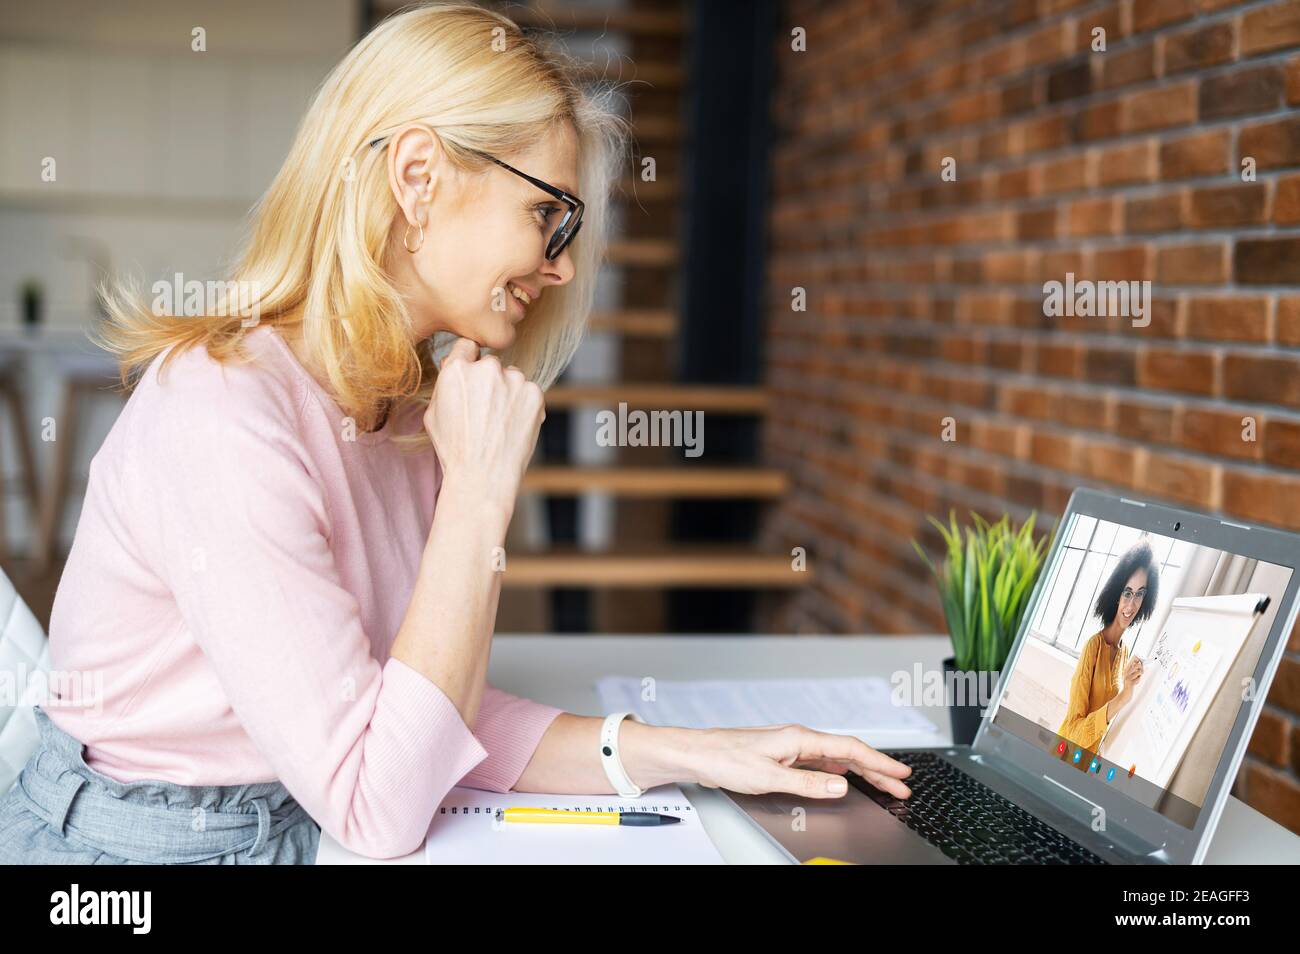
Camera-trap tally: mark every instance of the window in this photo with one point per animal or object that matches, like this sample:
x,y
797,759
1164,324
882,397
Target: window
x,y
1093,547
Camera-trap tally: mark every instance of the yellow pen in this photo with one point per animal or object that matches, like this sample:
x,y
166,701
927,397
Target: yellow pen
x,y
560,816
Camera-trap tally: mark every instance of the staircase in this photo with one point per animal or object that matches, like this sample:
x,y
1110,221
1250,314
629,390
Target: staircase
x,y
620,587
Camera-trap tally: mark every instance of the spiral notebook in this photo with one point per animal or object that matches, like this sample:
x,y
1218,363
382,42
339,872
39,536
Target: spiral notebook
x,y
465,832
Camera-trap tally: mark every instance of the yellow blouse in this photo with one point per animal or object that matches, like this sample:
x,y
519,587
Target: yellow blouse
x,y
1094,684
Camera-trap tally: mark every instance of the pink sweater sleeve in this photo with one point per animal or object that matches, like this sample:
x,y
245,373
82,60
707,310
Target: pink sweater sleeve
x,y
241,534
510,729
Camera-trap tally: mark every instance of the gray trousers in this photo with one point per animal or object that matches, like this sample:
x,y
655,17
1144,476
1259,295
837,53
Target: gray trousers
x,y
61,811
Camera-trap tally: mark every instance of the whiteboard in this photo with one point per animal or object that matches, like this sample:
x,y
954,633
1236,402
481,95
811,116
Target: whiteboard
x,y
1183,672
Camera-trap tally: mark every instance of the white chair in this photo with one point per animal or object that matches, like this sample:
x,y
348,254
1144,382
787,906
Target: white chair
x,y
24,659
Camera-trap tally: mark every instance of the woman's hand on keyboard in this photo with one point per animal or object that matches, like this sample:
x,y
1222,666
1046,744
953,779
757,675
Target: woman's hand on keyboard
x,y
792,759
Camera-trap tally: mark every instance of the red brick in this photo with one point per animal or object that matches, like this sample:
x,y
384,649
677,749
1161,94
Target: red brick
x,y
1285,691
1036,224
1192,264
1272,145
1270,28
1073,411
1127,263
1286,203
1274,794
1199,47
1106,461
1217,433
1008,268
1021,96
1160,213
1069,82
1110,18
1053,450
1240,93
1107,366
1159,108
1048,43
1267,261
1292,81
1288,320
1013,184
1093,216
1145,421
1281,442
1149,14
1059,359
1165,319
1069,174
1168,369
1271,739
1099,121
1265,496
1178,478
1131,162
1055,262
1201,154
1228,318
1271,379
1127,67
1228,206
1037,135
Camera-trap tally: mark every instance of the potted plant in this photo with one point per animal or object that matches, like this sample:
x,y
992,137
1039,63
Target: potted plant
x,y
985,581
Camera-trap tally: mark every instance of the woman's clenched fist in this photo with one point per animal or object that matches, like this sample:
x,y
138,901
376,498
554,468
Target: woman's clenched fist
x,y
484,420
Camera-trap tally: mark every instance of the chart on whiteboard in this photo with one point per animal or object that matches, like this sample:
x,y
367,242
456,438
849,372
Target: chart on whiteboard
x,y
1185,664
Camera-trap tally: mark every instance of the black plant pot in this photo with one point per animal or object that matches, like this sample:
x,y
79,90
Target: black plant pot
x,y
965,717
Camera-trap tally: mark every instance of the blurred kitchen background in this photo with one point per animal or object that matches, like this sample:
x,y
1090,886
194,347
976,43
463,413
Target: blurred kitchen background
x,y
798,269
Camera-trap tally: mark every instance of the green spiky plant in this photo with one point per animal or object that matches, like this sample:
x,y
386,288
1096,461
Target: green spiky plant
x,y
985,583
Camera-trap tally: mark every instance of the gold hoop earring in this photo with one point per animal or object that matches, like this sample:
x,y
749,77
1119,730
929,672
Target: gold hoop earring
x,y
406,238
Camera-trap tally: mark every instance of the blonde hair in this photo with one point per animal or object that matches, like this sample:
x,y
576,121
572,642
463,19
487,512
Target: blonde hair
x,y
320,233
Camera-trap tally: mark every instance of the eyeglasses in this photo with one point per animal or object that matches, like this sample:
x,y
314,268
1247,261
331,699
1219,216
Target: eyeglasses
x,y
1128,594
569,226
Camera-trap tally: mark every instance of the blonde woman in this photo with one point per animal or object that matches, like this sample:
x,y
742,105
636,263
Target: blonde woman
x,y
284,569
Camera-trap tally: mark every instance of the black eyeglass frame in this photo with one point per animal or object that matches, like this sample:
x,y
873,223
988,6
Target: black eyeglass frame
x,y
574,207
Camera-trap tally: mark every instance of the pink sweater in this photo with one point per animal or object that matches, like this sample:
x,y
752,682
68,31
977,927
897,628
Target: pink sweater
x,y
237,579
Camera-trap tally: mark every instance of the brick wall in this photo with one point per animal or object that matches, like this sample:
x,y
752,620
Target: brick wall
x,y
925,296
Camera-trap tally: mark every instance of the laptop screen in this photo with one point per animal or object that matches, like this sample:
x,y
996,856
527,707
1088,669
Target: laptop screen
x,y
1140,652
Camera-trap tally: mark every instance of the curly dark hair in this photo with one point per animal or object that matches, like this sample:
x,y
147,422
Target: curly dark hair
x,y
1138,557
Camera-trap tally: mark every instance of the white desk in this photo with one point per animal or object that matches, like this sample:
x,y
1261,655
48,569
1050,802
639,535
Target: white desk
x,y
562,670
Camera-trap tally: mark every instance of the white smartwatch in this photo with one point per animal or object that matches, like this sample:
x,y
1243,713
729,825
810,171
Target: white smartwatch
x,y
609,757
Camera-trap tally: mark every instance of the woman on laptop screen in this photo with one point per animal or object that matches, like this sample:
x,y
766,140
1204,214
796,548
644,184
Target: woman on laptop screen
x,y
1128,597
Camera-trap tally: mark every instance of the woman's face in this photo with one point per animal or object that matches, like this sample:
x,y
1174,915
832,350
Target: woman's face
x,y
485,234
1131,597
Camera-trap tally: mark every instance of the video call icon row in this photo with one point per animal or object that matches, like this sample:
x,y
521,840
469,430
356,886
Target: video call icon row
x,y
1095,765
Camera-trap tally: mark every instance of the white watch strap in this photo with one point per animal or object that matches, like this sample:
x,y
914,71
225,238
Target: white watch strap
x,y
609,757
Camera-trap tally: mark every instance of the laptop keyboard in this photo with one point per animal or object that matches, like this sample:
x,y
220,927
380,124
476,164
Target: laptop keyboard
x,y
968,821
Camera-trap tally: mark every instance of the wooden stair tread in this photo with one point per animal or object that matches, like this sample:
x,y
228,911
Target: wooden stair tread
x,y
641,74
644,322
650,253
722,567
693,397
636,189
660,129
683,481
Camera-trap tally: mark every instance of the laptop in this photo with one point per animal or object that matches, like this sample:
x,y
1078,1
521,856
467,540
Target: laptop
x,y
1054,774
